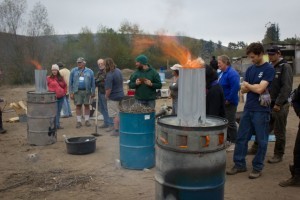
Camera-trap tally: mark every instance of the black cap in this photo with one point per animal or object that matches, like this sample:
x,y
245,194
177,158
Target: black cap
x,y
273,50
60,64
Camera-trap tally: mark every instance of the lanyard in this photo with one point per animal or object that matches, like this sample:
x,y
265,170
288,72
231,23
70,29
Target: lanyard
x,y
220,76
81,73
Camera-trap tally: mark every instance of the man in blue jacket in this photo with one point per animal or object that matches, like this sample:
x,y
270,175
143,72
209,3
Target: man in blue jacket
x,y
82,90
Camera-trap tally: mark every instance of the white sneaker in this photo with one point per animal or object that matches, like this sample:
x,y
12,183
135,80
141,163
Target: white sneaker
x,y
100,117
230,147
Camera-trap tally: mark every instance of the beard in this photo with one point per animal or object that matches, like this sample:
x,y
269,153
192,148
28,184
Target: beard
x,y
140,67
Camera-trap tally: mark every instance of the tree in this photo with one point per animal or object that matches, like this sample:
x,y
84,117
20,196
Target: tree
x,y
292,40
38,25
272,34
219,45
11,12
129,28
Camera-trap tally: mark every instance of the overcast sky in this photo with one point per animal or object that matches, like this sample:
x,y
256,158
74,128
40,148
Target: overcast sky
x,y
224,20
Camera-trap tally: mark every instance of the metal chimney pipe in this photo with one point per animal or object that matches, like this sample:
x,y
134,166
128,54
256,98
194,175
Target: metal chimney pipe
x,y
191,97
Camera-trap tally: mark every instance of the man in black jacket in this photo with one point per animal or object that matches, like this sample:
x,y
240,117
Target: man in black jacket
x,y
280,90
295,168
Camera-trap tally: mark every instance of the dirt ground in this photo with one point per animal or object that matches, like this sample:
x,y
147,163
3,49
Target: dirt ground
x,y
49,172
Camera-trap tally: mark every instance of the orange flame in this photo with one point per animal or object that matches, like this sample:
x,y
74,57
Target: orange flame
x,y
171,47
36,64
142,43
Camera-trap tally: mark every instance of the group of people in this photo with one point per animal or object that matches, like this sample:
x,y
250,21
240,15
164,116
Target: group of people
x,y
268,87
80,85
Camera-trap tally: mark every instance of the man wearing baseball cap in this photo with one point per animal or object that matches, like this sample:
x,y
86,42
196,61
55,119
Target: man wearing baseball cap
x,y
280,90
81,90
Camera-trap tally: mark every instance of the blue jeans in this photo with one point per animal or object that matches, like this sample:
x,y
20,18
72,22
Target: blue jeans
x,y
149,103
102,106
251,122
66,107
59,104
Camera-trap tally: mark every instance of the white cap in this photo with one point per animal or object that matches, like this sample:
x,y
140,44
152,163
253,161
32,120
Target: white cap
x,y
176,67
55,67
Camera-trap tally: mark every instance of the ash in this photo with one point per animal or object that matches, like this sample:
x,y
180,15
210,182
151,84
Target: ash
x,y
136,108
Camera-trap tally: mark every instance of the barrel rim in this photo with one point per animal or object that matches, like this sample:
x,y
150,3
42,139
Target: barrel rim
x,y
193,128
122,112
32,91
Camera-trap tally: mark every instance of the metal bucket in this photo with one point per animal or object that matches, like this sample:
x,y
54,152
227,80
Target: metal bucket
x,y
190,161
41,113
137,140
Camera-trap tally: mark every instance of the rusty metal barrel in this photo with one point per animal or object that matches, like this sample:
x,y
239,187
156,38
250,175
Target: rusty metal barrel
x,y
190,161
41,113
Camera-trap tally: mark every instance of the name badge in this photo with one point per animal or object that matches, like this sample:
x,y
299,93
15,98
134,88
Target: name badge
x,y
81,78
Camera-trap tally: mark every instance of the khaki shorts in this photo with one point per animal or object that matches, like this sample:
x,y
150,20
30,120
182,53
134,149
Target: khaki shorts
x,y
82,97
113,108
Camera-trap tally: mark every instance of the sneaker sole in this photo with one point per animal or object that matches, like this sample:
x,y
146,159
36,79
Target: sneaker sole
x,y
254,177
240,171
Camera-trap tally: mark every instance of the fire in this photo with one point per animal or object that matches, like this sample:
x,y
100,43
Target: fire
x,y
171,47
142,43
36,64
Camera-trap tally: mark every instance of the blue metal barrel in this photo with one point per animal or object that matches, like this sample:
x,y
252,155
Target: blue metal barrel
x,y
137,140
190,161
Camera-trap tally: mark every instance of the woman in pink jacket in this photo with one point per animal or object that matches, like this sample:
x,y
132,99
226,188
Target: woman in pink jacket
x,y
57,84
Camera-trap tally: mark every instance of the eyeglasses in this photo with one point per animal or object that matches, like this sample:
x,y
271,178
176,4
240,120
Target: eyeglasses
x,y
79,62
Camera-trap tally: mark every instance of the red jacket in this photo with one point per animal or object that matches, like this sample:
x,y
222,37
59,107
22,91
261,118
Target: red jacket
x,y
57,86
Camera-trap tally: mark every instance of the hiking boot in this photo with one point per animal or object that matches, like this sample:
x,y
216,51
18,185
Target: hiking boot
x,y
60,127
103,126
78,125
254,174
293,181
109,129
87,123
235,170
275,159
2,131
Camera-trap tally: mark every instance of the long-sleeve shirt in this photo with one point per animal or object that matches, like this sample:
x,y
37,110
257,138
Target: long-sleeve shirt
x,y
230,82
57,86
143,91
282,83
89,80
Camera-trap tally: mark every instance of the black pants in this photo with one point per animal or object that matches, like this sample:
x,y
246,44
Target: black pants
x,y
230,113
1,125
279,125
297,153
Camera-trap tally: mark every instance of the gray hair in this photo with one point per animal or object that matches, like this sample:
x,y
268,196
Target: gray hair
x,y
225,59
